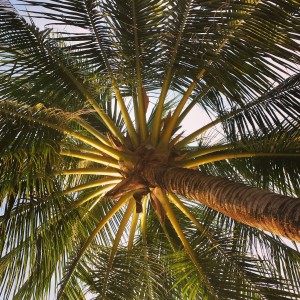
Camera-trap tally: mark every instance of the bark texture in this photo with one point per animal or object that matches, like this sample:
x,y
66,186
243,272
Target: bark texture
x,y
253,206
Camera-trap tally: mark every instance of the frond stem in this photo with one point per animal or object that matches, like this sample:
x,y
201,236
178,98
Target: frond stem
x,y
170,127
106,149
144,220
122,225
163,226
93,131
91,171
201,152
167,207
123,108
84,92
135,218
100,192
223,118
106,119
110,162
187,109
205,232
167,81
94,183
87,243
135,108
141,103
205,160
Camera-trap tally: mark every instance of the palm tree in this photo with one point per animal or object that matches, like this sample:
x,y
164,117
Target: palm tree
x,y
103,192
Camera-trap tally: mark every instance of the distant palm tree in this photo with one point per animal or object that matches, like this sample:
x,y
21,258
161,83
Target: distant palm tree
x,y
99,184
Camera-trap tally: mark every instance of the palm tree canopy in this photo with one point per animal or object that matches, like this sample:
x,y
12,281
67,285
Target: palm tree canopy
x,y
100,92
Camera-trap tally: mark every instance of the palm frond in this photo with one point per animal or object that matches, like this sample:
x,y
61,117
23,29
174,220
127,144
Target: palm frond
x,y
263,114
278,173
225,242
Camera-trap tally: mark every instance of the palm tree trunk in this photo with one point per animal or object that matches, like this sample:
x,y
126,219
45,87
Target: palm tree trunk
x,y
253,206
